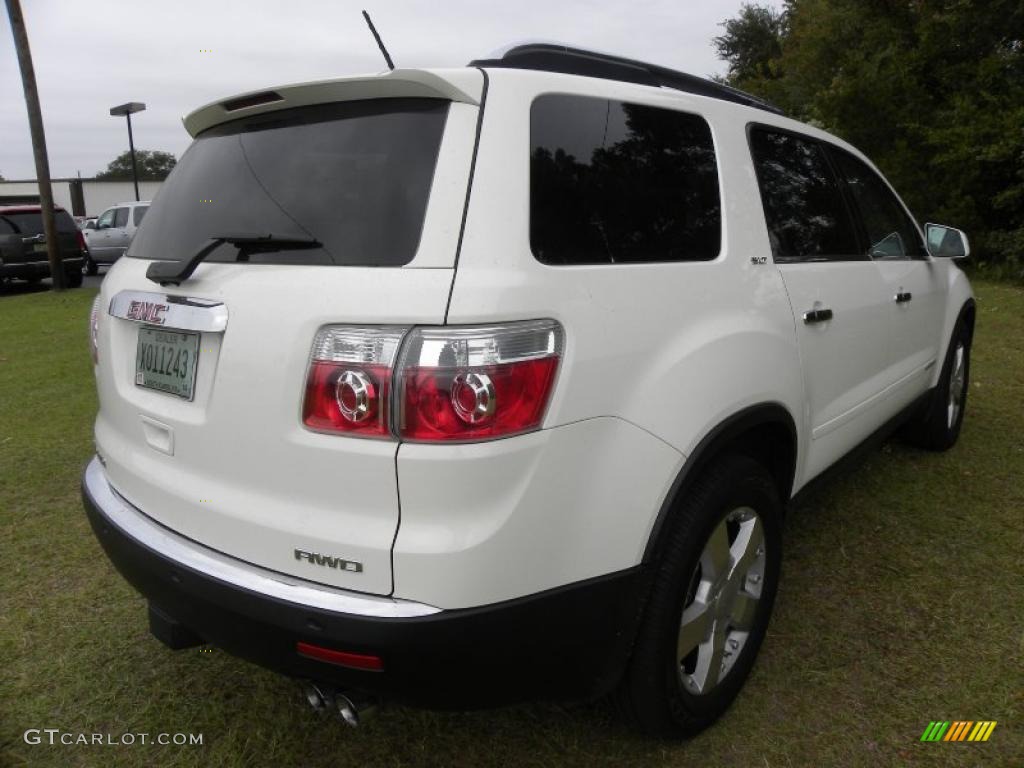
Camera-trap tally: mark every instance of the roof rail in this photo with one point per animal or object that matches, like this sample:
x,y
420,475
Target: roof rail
x,y
554,57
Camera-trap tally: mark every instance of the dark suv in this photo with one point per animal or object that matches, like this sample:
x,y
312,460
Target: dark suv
x,y
23,253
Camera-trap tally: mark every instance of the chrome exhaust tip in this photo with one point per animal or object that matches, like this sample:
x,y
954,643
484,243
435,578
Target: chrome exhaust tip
x,y
351,707
347,709
317,696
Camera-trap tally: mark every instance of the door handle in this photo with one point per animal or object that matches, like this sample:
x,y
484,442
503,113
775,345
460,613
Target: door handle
x,y
903,297
817,316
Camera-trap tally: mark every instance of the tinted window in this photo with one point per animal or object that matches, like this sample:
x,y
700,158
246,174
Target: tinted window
x,y
803,205
31,223
355,176
620,183
121,217
891,234
137,213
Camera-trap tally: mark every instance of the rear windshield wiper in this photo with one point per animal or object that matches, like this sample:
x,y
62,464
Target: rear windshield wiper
x,y
176,272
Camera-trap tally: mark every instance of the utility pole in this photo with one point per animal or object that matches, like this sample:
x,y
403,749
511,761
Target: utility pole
x,y
35,124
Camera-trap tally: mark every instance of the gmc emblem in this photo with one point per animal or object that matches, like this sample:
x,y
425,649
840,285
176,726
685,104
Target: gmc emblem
x,y
147,312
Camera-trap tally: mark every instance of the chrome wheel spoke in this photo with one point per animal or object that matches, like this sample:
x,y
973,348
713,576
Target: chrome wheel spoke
x,y
744,611
709,660
748,548
957,380
693,629
715,557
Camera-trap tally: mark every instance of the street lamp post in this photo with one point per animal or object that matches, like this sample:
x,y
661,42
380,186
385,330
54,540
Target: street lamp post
x,y
127,110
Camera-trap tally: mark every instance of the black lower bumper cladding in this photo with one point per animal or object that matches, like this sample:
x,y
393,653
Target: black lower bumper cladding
x,y
571,642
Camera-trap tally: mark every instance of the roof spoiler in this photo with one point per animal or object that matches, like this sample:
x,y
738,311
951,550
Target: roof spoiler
x,y
454,85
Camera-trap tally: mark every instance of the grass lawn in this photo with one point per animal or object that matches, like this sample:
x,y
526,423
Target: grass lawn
x,y
902,601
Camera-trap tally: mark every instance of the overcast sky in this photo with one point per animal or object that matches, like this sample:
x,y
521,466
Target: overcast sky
x,y
93,54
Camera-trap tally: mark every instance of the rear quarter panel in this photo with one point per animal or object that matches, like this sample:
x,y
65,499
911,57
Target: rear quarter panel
x,y
670,349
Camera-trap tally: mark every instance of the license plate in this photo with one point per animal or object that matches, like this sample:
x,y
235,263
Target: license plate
x,y
39,247
165,360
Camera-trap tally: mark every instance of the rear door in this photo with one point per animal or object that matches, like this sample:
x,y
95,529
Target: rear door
x,y
837,294
119,234
380,184
99,239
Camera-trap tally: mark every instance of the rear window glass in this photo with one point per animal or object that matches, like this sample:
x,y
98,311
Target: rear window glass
x,y
138,213
803,205
612,182
354,176
31,223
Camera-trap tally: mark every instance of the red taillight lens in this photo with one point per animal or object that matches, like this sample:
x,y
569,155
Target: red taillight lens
x,y
438,405
349,380
80,239
451,383
333,402
477,383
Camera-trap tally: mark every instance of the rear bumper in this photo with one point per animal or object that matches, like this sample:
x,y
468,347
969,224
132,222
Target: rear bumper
x,y
569,642
27,270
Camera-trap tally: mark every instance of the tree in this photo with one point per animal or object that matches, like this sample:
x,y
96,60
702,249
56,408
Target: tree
x,y
932,92
752,42
152,165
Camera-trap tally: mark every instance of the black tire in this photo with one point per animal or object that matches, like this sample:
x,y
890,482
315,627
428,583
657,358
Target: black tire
x,y
653,694
939,427
73,279
89,266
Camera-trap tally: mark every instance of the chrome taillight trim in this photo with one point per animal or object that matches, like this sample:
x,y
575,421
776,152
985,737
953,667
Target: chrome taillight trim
x,y
186,313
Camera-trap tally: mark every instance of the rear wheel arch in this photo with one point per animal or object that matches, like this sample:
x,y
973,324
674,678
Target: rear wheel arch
x,y
765,432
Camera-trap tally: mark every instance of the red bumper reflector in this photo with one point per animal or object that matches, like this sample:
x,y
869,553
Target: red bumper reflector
x,y
341,658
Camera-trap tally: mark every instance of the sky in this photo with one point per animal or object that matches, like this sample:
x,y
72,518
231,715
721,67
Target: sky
x,y
90,55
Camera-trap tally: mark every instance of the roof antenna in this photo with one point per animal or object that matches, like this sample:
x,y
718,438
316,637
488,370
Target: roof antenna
x,y
380,44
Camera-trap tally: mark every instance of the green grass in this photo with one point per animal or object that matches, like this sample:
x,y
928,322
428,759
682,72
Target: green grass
x,y
902,601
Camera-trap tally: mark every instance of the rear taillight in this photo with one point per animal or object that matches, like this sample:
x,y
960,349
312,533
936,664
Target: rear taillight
x,y
348,384
476,383
94,330
446,384
80,239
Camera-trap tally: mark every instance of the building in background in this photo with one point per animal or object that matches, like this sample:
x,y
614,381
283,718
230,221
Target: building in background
x,y
83,197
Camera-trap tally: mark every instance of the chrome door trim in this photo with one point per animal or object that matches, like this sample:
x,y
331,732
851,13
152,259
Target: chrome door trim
x,y
185,313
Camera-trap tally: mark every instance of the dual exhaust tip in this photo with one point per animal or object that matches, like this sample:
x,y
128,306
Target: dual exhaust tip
x,y
351,707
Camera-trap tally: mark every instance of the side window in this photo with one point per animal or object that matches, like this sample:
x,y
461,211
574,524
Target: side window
x,y
891,234
615,183
137,213
106,219
807,217
121,217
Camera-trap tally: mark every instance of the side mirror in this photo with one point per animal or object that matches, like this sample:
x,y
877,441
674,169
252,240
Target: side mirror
x,y
946,242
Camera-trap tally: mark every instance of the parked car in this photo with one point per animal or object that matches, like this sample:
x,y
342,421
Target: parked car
x,y
23,248
483,384
114,230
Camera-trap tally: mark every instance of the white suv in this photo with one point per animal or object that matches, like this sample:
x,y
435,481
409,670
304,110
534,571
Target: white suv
x,y
465,386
